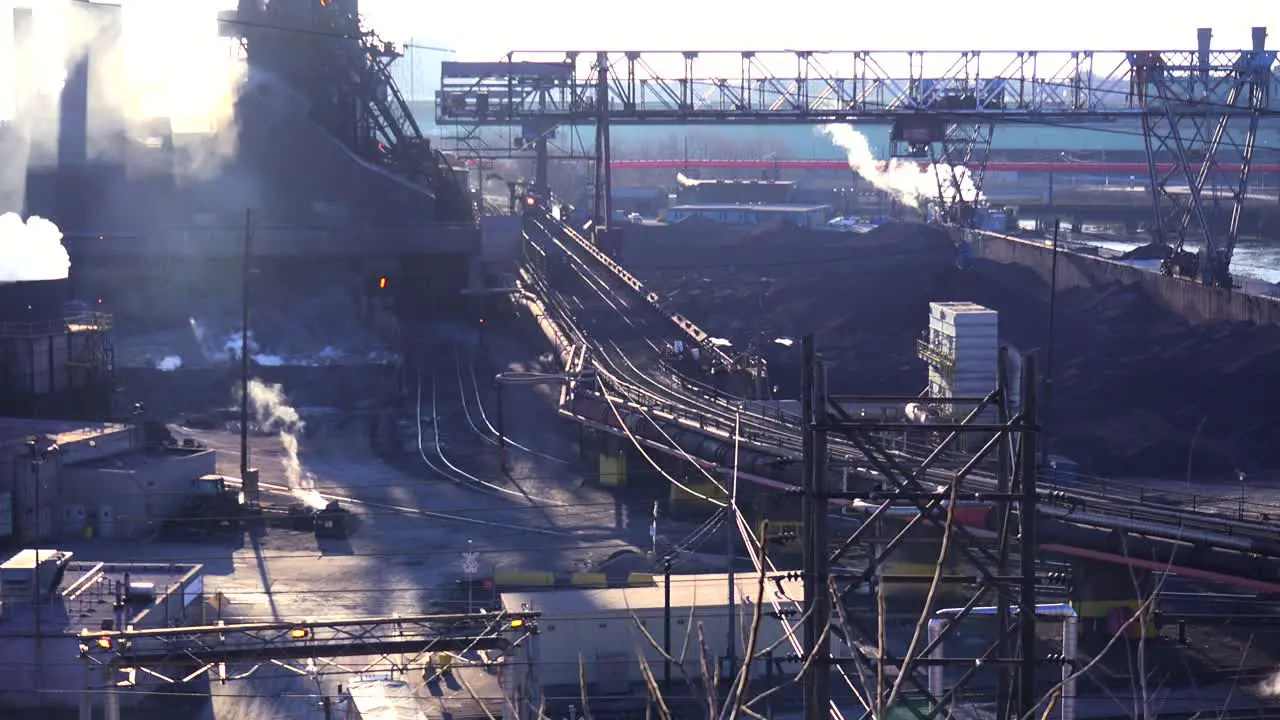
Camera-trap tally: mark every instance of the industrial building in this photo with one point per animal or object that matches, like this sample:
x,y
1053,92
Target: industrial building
x,y
598,633
56,356
47,597
62,478
801,216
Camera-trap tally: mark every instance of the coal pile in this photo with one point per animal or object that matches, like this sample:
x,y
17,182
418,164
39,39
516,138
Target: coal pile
x,y
1137,389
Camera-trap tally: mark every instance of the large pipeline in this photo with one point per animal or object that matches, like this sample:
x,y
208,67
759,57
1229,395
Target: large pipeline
x,y
710,447
1252,546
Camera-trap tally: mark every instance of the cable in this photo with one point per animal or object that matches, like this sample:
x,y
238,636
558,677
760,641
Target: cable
x,y
650,343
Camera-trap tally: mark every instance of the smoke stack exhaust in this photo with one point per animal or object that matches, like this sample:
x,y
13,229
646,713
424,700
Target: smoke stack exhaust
x,y
23,63
1204,38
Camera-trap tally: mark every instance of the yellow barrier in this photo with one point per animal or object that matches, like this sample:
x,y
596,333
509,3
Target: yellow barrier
x,y
641,579
591,580
613,469
524,578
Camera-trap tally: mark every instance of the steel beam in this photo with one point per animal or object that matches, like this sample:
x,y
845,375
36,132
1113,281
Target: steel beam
x,y
913,489
808,86
262,642
1200,110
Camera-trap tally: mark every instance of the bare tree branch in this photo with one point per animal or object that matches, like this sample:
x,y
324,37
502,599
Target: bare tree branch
x,y
926,612
735,704
582,687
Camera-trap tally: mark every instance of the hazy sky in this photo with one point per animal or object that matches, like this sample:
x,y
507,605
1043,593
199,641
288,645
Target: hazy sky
x,y
488,29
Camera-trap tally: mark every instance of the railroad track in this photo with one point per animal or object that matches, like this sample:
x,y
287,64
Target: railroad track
x,y
610,321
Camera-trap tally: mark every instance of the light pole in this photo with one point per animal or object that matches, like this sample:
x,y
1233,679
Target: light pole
x,y
40,449
731,527
244,348
524,377
1048,360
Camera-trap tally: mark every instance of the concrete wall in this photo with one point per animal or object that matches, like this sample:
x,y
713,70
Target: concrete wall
x,y
1196,303
128,499
500,239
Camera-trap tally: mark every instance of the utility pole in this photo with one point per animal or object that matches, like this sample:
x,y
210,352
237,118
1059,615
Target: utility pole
x,y
1048,349
1027,544
817,603
666,622
502,435
731,528
244,344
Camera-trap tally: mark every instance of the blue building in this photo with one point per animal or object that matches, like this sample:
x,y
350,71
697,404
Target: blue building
x,y
802,216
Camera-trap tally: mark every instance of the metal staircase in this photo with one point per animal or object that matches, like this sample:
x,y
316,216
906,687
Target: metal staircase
x,y
401,142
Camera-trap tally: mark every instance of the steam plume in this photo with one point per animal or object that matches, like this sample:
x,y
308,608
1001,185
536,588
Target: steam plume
x,y
273,413
906,181
684,181
32,250
150,61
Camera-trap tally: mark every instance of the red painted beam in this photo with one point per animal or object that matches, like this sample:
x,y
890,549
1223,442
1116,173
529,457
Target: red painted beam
x,y
1113,168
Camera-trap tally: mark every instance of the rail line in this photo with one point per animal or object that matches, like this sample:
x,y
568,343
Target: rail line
x,y
1099,507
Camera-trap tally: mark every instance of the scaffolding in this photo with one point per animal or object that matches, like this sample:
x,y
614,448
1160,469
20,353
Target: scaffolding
x,y
60,368
926,495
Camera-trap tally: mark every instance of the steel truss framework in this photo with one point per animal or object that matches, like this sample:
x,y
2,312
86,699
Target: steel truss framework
x,y
967,91
1192,129
1012,440
198,649
960,168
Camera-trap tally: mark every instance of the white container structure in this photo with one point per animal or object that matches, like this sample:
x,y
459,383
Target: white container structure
x,y
1065,708
962,350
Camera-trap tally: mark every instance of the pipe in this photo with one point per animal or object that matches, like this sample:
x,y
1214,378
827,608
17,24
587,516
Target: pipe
x,y
1151,529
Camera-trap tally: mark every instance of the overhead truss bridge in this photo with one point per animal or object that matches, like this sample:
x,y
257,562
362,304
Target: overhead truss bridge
x,y
1198,109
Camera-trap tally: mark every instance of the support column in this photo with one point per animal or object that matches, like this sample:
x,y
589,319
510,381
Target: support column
x,y
917,555
613,462
541,160
110,694
86,697
1105,595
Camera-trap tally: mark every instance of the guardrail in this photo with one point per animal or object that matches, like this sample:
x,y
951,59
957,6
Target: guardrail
x,y
1081,495
73,322
655,301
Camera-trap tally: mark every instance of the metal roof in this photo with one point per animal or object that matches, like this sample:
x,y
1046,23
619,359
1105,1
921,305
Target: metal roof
x,y
687,591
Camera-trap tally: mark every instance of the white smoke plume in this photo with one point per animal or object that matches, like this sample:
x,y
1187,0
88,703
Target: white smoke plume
x,y
906,180
169,363
274,414
31,250
683,181
165,66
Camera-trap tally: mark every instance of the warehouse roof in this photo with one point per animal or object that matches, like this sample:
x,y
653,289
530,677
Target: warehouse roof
x,y
771,207
15,431
687,591
86,591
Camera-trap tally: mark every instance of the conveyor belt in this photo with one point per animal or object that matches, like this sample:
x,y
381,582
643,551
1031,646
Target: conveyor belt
x,y
617,328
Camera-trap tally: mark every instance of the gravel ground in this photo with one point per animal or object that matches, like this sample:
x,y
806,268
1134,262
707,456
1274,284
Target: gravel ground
x,y
1137,391
397,561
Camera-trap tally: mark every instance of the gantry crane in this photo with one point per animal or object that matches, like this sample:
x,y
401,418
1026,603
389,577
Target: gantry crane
x,y
943,107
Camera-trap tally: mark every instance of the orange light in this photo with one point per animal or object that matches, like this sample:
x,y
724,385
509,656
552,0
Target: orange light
x,y
104,643
481,321
517,623
299,633
531,201
99,301
382,283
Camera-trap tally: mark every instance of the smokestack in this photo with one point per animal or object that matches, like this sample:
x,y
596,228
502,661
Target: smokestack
x,y
1259,39
73,117
23,31
1204,37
